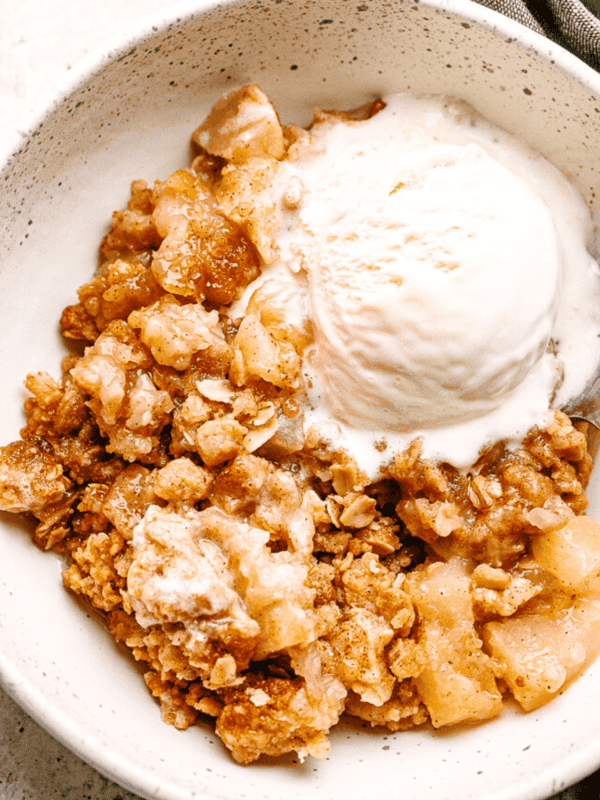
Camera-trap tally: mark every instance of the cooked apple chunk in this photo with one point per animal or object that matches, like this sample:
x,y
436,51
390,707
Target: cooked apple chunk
x,y
571,553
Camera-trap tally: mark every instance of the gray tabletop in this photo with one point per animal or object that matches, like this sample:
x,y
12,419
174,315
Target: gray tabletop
x,y
39,42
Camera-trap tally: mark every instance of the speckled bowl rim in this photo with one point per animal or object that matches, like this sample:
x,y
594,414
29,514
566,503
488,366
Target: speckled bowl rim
x,y
74,736
94,61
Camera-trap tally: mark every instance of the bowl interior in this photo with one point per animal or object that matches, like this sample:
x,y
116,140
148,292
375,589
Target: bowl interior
x,y
131,117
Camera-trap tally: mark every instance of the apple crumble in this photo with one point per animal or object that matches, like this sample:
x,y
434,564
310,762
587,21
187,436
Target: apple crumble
x,y
265,581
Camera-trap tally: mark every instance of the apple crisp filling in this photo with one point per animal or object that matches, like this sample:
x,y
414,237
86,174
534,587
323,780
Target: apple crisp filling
x,y
264,581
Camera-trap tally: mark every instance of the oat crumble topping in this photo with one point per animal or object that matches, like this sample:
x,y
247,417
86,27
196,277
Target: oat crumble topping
x,y
261,578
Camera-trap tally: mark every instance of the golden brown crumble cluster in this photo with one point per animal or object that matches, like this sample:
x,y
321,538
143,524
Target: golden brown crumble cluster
x,y
260,577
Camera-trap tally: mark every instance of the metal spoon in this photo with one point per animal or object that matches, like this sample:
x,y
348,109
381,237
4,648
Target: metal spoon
x,y
586,406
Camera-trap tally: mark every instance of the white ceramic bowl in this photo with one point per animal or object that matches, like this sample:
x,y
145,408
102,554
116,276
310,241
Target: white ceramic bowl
x,y
129,114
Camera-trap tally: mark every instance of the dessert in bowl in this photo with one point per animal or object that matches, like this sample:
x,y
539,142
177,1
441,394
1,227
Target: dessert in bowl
x,y
88,158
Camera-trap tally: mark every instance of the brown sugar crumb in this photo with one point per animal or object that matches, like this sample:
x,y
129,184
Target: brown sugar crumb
x,y
261,580
30,477
96,570
276,716
404,710
133,229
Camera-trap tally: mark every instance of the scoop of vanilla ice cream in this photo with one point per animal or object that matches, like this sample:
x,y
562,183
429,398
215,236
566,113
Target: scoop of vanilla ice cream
x,y
443,267
433,273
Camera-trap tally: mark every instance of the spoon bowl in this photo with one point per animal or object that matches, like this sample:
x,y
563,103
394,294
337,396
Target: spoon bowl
x,y
586,406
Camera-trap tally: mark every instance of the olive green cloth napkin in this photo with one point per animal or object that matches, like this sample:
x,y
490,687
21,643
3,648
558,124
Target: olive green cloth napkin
x,y
567,22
